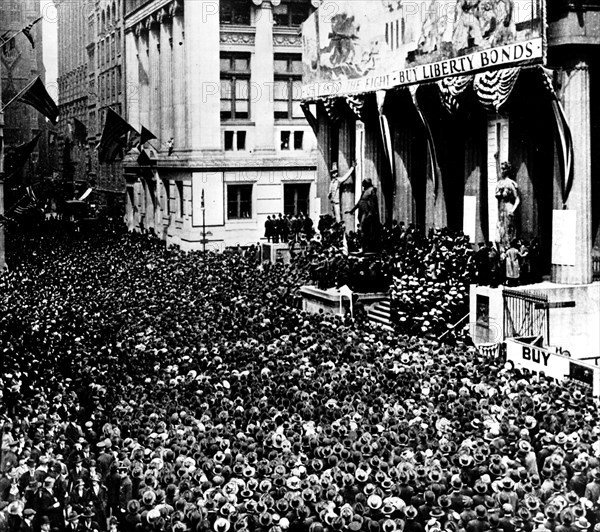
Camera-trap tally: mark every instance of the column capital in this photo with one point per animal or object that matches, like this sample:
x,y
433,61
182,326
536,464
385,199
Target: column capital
x,y
266,4
163,16
176,8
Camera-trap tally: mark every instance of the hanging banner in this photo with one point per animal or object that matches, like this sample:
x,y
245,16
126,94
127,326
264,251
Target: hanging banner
x,y
354,46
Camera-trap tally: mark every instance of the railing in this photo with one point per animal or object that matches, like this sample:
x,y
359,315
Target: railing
x,y
525,314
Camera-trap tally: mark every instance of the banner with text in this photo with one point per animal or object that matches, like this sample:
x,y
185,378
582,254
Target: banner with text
x,y
353,46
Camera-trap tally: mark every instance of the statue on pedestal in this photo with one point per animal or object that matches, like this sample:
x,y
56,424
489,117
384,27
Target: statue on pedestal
x,y
334,188
368,217
507,194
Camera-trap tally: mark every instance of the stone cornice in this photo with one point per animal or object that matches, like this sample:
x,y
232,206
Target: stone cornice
x,y
237,35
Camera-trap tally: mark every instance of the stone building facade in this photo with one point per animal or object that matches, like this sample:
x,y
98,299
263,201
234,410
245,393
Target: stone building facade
x,y
219,81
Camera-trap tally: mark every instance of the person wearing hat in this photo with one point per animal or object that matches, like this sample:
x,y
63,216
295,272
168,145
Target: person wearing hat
x,y
46,505
9,457
78,472
335,185
592,488
480,523
72,524
27,522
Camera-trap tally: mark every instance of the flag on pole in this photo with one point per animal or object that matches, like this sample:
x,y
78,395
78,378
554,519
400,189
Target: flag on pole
x,y
19,156
27,31
113,139
77,131
36,95
146,136
565,137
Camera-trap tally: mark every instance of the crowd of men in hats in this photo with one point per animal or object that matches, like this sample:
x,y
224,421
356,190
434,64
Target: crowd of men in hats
x,y
288,228
148,390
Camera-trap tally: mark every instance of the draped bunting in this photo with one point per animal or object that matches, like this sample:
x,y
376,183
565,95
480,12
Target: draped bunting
x,y
433,158
357,105
451,89
564,133
332,109
386,137
494,87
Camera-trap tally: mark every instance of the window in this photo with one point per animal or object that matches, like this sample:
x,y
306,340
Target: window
x,y
235,12
235,86
298,140
239,202
235,140
290,13
296,198
288,86
285,140
180,206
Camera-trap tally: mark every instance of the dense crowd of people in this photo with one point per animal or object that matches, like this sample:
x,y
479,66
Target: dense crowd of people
x,y
144,389
428,276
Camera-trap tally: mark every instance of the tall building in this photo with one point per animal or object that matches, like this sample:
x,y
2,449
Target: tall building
x,y
20,63
219,83
91,52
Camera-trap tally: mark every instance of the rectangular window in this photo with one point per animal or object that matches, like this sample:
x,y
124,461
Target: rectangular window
x,y
235,12
229,140
180,205
287,91
298,140
235,140
296,199
239,202
235,86
290,13
285,140
241,140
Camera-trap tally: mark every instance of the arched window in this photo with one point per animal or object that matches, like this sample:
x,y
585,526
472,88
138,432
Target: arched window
x,y
108,19
103,25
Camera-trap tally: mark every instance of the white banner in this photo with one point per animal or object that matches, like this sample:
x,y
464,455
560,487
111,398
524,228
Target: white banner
x,y
518,53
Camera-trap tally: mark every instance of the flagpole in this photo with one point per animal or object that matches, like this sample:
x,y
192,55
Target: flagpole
x,y
19,95
2,242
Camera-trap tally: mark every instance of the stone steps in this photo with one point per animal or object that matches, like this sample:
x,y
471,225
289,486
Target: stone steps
x,y
380,314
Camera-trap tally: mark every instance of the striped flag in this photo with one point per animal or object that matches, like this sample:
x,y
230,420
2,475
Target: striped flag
x,y
36,95
494,87
113,139
451,89
27,31
564,134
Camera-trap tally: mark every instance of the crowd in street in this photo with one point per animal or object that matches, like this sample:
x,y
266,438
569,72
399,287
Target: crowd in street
x,y
144,389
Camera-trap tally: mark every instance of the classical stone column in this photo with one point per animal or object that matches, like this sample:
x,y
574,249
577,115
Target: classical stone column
x,y
144,76
132,80
179,129
155,81
202,67
576,102
323,158
166,77
262,79
346,155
